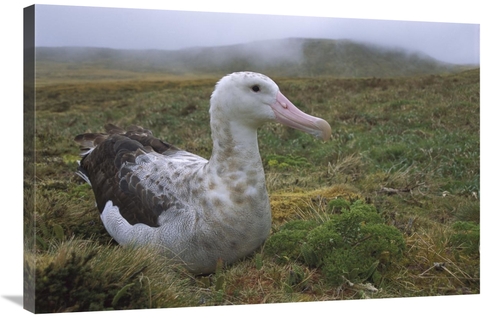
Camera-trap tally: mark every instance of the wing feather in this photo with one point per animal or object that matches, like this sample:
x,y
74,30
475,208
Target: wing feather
x,y
114,163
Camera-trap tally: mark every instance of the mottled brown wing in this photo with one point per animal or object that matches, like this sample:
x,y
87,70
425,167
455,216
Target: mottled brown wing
x,y
101,166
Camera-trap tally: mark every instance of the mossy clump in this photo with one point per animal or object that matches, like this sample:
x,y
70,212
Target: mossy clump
x,y
355,245
283,162
337,205
299,225
285,244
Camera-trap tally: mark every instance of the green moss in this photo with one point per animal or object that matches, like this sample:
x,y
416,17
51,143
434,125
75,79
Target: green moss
x,y
299,225
322,241
337,205
286,161
285,244
354,245
272,163
350,243
70,158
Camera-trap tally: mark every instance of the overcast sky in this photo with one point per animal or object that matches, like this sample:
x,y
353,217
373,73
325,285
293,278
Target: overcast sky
x,y
169,29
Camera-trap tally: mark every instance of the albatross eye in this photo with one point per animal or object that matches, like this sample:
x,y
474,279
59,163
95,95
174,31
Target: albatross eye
x,y
255,88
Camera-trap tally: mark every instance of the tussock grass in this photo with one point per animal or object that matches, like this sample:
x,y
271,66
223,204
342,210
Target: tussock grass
x,y
76,275
408,147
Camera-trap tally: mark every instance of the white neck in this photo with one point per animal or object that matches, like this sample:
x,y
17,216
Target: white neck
x,y
235,148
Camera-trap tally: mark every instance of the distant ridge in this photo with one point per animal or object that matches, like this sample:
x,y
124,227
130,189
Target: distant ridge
x,y
295,57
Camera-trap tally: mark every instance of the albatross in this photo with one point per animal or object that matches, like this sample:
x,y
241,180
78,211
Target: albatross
x,y
196,211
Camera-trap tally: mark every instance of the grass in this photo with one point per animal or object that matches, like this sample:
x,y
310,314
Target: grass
x,y
408,148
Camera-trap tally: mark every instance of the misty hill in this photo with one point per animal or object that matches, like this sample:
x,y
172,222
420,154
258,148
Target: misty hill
x,y
286,57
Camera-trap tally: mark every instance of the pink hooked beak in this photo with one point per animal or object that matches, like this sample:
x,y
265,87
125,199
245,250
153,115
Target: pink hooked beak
x,y
288,114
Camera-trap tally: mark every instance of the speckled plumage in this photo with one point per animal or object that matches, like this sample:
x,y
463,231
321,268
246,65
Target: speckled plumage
x,y
197,211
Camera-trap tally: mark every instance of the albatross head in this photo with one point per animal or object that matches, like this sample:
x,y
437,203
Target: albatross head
x,y
254,99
